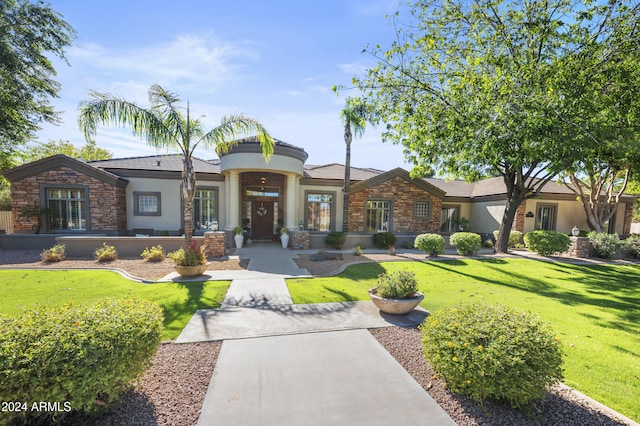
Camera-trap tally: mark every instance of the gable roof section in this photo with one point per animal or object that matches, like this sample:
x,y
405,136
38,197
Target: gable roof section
x,y
335,171
401,173
61,160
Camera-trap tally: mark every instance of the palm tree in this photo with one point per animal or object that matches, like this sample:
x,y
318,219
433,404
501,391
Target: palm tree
x,y
164,125
354,117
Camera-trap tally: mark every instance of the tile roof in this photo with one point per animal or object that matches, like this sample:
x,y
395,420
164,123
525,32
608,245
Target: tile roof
x,y
336,171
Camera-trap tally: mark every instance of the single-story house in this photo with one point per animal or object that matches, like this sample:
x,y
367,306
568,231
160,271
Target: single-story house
x,y
120,196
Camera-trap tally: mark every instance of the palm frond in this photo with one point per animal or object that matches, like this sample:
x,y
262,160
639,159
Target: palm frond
x,y
232,128
106,109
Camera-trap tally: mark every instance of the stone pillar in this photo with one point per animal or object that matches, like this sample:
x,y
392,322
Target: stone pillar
x,y
579,247
290,201
234,200
215,242
300,240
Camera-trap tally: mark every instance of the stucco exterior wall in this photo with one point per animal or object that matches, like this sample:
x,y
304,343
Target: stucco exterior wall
x,y
486,216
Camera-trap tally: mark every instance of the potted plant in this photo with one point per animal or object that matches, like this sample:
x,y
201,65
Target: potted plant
x,y
397,293
284,237
238,237
190,261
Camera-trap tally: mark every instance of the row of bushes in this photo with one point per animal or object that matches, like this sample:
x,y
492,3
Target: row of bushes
x,y
86,355
57,253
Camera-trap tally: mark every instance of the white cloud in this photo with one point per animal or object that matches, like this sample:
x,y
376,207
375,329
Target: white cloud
x,y
188,60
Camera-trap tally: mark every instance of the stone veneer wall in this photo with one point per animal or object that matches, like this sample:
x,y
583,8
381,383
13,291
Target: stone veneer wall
x,y
518,221
107,203
580,247
215,242
300,240
403,194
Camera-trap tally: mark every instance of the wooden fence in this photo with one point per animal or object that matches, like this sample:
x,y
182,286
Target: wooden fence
x,y
6,222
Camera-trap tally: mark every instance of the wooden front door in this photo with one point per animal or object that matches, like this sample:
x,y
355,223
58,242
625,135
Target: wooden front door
x,y
262,220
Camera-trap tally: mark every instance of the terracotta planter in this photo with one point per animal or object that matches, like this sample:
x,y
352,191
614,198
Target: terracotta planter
x,y
191,271
395,306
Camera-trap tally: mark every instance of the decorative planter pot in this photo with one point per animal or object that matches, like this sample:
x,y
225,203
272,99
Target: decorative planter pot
x,y
395,306
191,271
239,239
284,239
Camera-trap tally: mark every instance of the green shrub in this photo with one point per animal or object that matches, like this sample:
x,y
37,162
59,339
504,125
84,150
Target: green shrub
x,y
488,243
466,243
357,250
432,244
631,246
397,285
605,245
189,256
384,240
514,238
547,243
85,355
105,253
335,239
153,254
56,253
492,352
407,244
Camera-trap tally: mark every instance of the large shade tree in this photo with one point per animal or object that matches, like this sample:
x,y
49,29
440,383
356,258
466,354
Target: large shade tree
x,y
354,117
465,89
89,152
599,104
167,125
30,34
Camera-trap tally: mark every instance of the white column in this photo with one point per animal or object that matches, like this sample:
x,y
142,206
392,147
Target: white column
x,y
291,201
234,200
227,202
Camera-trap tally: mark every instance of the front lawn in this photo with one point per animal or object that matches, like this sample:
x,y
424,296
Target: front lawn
x,y
595,310
22,289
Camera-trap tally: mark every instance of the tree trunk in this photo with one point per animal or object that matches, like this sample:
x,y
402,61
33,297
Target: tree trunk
x,y
187,195
515,197
347,178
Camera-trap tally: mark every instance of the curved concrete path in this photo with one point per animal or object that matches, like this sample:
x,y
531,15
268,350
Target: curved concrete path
x,y
286,364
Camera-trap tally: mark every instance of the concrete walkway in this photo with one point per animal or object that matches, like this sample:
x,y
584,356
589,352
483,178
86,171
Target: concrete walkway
x,y
286,364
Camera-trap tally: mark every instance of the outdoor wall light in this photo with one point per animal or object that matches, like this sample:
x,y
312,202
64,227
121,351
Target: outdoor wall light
x,y
214,225
575,231
301,224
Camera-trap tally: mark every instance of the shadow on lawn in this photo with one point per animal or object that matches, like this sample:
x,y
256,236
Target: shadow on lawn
x,y
603,283
185,308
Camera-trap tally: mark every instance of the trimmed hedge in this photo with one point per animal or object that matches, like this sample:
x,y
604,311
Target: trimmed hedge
x,y
466,243
514,237
335,239
432,244
492,352
384,240
547,243
85,355
605,245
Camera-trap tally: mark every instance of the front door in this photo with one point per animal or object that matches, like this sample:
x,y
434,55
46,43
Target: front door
x,y
262,220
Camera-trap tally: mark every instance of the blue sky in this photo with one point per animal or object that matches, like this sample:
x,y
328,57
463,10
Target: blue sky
x,y
275,61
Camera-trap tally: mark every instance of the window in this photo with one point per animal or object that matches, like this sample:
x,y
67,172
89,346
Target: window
x,y
68,209
546,218
320,212
449,219
422,209
377,216
146,204
204,208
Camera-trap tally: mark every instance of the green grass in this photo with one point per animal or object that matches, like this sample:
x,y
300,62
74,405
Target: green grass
x,y
595,310
24,289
